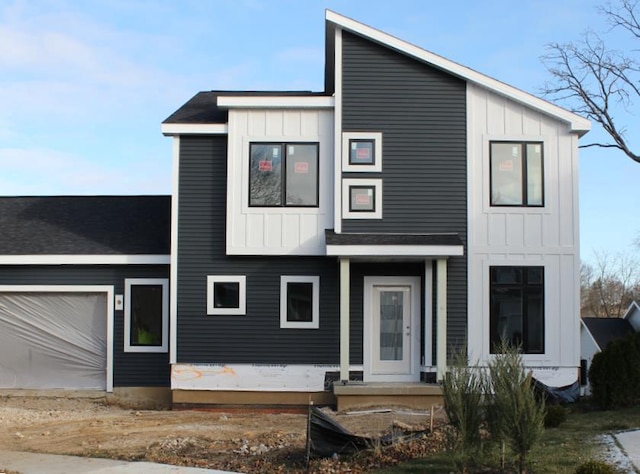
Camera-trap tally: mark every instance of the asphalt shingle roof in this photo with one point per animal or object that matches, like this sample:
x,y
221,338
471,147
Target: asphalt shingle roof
x,y
605,330
85,225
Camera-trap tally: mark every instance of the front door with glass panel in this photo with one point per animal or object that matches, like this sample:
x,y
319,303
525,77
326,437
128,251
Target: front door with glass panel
x,y
391,328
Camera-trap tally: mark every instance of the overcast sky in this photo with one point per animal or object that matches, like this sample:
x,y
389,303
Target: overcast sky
x,y
84,85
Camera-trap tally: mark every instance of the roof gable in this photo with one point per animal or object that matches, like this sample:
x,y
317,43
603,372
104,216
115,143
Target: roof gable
x,y
605,330
576,123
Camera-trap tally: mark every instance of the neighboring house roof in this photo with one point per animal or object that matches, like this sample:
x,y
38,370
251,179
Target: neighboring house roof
x,y
85,225
605,330
333,19
203,107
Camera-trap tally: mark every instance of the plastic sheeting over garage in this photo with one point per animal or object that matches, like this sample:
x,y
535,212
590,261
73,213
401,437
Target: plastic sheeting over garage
x,y
53,340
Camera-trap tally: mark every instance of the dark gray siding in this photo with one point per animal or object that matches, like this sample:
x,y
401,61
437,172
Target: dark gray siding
x,y
255,337
129,369
421,112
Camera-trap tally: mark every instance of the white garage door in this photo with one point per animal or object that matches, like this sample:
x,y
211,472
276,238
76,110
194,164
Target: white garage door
x,y
53,340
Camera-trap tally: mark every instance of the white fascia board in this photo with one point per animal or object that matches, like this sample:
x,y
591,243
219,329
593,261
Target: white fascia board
x,y
276,102
631,309
85,259
194,129
578,124
394,250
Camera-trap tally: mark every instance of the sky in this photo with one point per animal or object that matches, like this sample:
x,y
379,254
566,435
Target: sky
x,y
84,85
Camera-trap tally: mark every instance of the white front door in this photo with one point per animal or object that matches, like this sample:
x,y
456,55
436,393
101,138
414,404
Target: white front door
x,y
391,329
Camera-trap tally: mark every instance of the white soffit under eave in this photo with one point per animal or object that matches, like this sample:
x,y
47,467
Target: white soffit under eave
x,y
85,259
395,250
194,128
577,123
289,102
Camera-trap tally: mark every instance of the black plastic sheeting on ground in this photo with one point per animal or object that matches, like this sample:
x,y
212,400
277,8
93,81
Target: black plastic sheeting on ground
x,y
327,438
567,394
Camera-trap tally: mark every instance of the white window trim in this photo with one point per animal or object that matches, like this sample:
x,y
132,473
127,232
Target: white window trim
x,y
315,307
128,283
377,163
241,280
377,185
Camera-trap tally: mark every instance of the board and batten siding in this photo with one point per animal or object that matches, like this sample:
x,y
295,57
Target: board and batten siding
x,y
422,115
129,369
277,230
546,236
256,337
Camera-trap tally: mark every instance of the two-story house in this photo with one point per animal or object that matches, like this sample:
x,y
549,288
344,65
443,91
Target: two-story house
x,y
348,242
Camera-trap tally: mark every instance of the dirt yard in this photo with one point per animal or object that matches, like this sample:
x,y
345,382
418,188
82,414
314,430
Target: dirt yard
x,y
240,441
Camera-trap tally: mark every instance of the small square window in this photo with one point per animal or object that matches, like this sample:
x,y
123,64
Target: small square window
x,y
362,151
146,315
517,174
299,302
361,198
226,295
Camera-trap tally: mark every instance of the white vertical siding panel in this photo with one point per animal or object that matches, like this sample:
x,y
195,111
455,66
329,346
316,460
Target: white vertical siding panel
x,y
273,229
569,305
497,230
533,231
495,121
309,123
554,319
566,193
515,230
255,231
274,123
513,118
291,230
531,123
257,123
309,230
292,123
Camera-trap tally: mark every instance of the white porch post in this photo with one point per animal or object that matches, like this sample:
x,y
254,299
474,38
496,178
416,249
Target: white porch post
x,y
441,310
344,319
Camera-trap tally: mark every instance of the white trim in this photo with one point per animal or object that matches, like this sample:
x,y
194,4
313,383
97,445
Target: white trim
x,y
337,124
441,318
315,304
173,267
428,313
630,310
577,123
395,250
128,283
84,259
345,327
377,155
241,280
346,198
194,129
108,289
276,102
369,373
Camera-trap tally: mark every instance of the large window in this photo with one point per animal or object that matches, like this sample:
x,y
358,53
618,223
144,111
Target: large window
x,y
516,174
299,302
517,308
283,174
146,315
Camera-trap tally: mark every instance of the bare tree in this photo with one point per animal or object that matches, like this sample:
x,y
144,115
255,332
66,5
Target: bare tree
x,y
594,80
609,287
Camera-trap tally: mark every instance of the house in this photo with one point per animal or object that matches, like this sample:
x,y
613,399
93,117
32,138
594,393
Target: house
x,y
84,294
344,244
597,333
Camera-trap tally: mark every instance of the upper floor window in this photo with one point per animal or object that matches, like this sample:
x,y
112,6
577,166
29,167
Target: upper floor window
x,y
517,308
283,174
516,174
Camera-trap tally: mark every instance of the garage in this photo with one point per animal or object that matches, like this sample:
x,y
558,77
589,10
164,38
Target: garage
x,y
53,339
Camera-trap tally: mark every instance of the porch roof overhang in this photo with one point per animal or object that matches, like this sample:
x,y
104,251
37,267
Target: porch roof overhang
x,y
393,246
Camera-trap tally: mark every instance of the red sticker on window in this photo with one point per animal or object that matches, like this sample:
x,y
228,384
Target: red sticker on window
x,y
506,165
363,199
265,165
302,167
363,154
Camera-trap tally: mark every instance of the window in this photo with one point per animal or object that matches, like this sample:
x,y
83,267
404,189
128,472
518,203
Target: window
x,y
226,294
146,315
283,174
300,302
362,151
362,199
517,308
516,174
